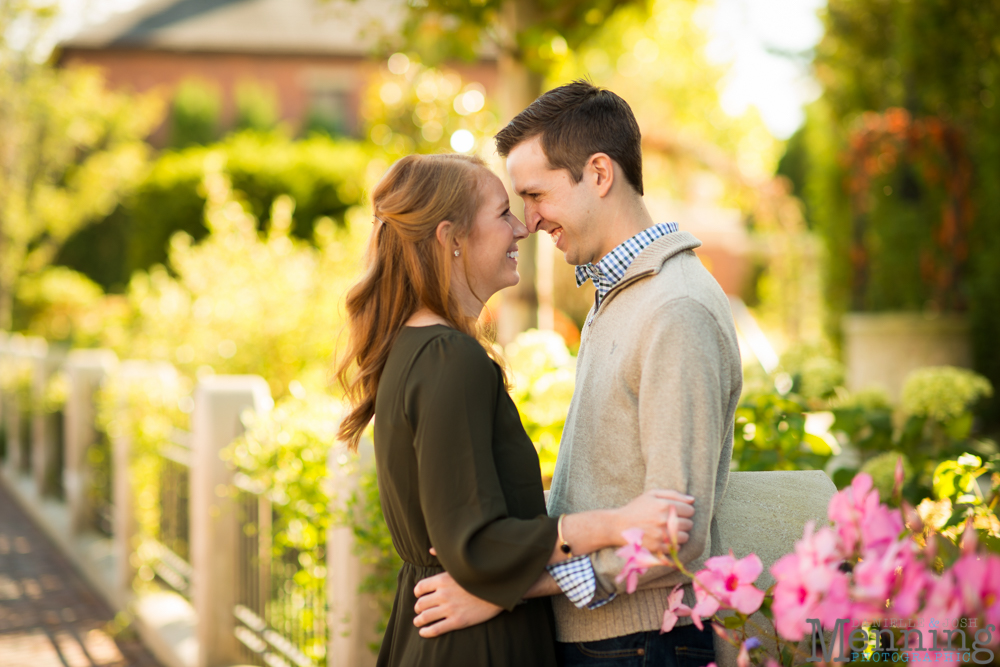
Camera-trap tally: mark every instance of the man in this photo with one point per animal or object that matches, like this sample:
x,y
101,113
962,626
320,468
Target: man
x,y
658,378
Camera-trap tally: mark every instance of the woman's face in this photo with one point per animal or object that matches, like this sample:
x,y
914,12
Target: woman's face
x,y
491,248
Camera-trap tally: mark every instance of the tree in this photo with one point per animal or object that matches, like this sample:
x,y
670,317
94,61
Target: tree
x,y
68,148
528,37
903,157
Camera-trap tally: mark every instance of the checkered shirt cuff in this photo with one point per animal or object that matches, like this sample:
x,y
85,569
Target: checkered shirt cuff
x,y
578,582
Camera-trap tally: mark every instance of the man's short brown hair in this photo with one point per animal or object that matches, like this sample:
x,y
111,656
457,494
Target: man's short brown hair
x,y
575,121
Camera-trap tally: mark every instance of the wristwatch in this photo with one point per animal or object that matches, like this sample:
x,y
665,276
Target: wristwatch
x,y
563,545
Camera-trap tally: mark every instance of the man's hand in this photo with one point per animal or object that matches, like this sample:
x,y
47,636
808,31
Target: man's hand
x,y
650,512
443,606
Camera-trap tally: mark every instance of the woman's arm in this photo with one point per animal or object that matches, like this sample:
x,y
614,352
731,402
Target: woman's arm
x,y
443,606
586,532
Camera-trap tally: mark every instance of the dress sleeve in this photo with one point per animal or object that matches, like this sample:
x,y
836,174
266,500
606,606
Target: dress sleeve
x,y
451,399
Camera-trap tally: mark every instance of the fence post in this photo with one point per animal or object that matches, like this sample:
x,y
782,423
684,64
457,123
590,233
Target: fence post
x,y
352,616
4,351
45,458
219,401
123,523
85,369
16,462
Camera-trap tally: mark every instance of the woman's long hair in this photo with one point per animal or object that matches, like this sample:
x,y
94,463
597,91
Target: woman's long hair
x,y
406,268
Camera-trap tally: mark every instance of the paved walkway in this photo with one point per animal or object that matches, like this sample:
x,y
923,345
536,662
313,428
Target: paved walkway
x,y
48,616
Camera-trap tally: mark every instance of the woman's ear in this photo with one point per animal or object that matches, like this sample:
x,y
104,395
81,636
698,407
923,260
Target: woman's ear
x,y
442,233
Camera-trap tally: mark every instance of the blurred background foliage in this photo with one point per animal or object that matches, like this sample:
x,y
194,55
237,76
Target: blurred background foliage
x,y
896,158
229,250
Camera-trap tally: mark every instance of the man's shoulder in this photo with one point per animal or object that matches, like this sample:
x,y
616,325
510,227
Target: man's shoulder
x,y
682,283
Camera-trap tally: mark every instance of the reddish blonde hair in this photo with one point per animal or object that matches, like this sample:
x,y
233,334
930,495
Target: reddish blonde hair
x,y
406,269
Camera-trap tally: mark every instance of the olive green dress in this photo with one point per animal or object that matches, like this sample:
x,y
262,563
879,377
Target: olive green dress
x,y
456,471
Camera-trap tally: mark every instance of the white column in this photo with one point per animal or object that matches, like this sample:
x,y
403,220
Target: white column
x,y
14,360
219,402
86,370
352,615
3,365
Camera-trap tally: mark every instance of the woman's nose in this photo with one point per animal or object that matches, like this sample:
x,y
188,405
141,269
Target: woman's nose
x,y
520,231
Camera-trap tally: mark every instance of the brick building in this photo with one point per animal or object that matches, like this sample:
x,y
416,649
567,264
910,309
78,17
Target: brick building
x,y
316,56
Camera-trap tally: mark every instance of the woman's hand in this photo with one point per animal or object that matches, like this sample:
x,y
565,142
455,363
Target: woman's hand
x,y
443,606
649,512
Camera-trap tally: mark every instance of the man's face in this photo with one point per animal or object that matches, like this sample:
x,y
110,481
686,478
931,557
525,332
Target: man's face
x,y
554,203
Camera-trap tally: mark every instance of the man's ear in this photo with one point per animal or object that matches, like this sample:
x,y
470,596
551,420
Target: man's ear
x,y
442,232
601,168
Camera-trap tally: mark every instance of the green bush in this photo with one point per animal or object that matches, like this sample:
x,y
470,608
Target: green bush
x,y
194,117
256,107
543,373
324,177
934,422
240,302
60,305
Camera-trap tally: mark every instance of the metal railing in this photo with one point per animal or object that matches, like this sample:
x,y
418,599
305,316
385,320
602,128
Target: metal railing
x,y
99,491
270,601
168,552
276,615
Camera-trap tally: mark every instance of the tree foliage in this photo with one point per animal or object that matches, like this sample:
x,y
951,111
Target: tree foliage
x,y
323,176
892,243
69,149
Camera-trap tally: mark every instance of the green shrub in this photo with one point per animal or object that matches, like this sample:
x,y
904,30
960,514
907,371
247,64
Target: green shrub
x,y
256,107
194,117
60,305
324,177
240,302
544,374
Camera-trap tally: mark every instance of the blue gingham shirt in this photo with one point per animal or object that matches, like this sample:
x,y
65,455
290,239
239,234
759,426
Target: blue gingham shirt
x,y
575,576
612,267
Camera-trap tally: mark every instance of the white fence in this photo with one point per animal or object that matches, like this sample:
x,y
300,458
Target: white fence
x,y
82,495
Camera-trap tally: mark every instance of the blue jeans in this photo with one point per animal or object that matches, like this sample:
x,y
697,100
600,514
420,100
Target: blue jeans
x,y
684,646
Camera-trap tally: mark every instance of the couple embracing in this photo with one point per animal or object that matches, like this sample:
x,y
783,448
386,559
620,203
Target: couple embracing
x,y
490,575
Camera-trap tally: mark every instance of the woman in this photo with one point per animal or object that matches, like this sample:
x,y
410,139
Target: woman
x,y
456,471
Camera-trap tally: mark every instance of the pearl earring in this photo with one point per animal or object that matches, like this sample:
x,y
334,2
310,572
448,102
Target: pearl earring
x,y
456,253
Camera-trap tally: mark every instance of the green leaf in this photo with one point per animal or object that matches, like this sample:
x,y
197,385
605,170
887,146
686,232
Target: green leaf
x,y
734,622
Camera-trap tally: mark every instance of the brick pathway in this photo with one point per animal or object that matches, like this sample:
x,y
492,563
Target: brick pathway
x,y
48,616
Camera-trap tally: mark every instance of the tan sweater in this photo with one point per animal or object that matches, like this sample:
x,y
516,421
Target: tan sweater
x,y
657,383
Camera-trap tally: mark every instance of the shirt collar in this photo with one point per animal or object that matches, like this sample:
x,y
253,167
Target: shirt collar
x,y
612,267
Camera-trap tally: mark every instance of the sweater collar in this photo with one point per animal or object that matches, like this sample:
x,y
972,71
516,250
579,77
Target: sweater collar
x,y
652,259
611,269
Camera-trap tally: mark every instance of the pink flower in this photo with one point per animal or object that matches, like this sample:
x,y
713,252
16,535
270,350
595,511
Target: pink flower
x,y
638,560
880,527
873,583
847,507
943,602
978,579
675,609
729,582
809,584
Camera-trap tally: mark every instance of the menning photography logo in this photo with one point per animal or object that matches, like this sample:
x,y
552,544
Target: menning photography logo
x,y
902,640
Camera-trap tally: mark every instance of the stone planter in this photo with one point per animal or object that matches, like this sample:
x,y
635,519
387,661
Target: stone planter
x,y
882,348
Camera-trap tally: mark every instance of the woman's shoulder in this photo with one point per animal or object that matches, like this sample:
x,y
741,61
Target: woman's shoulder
x,y
442,347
